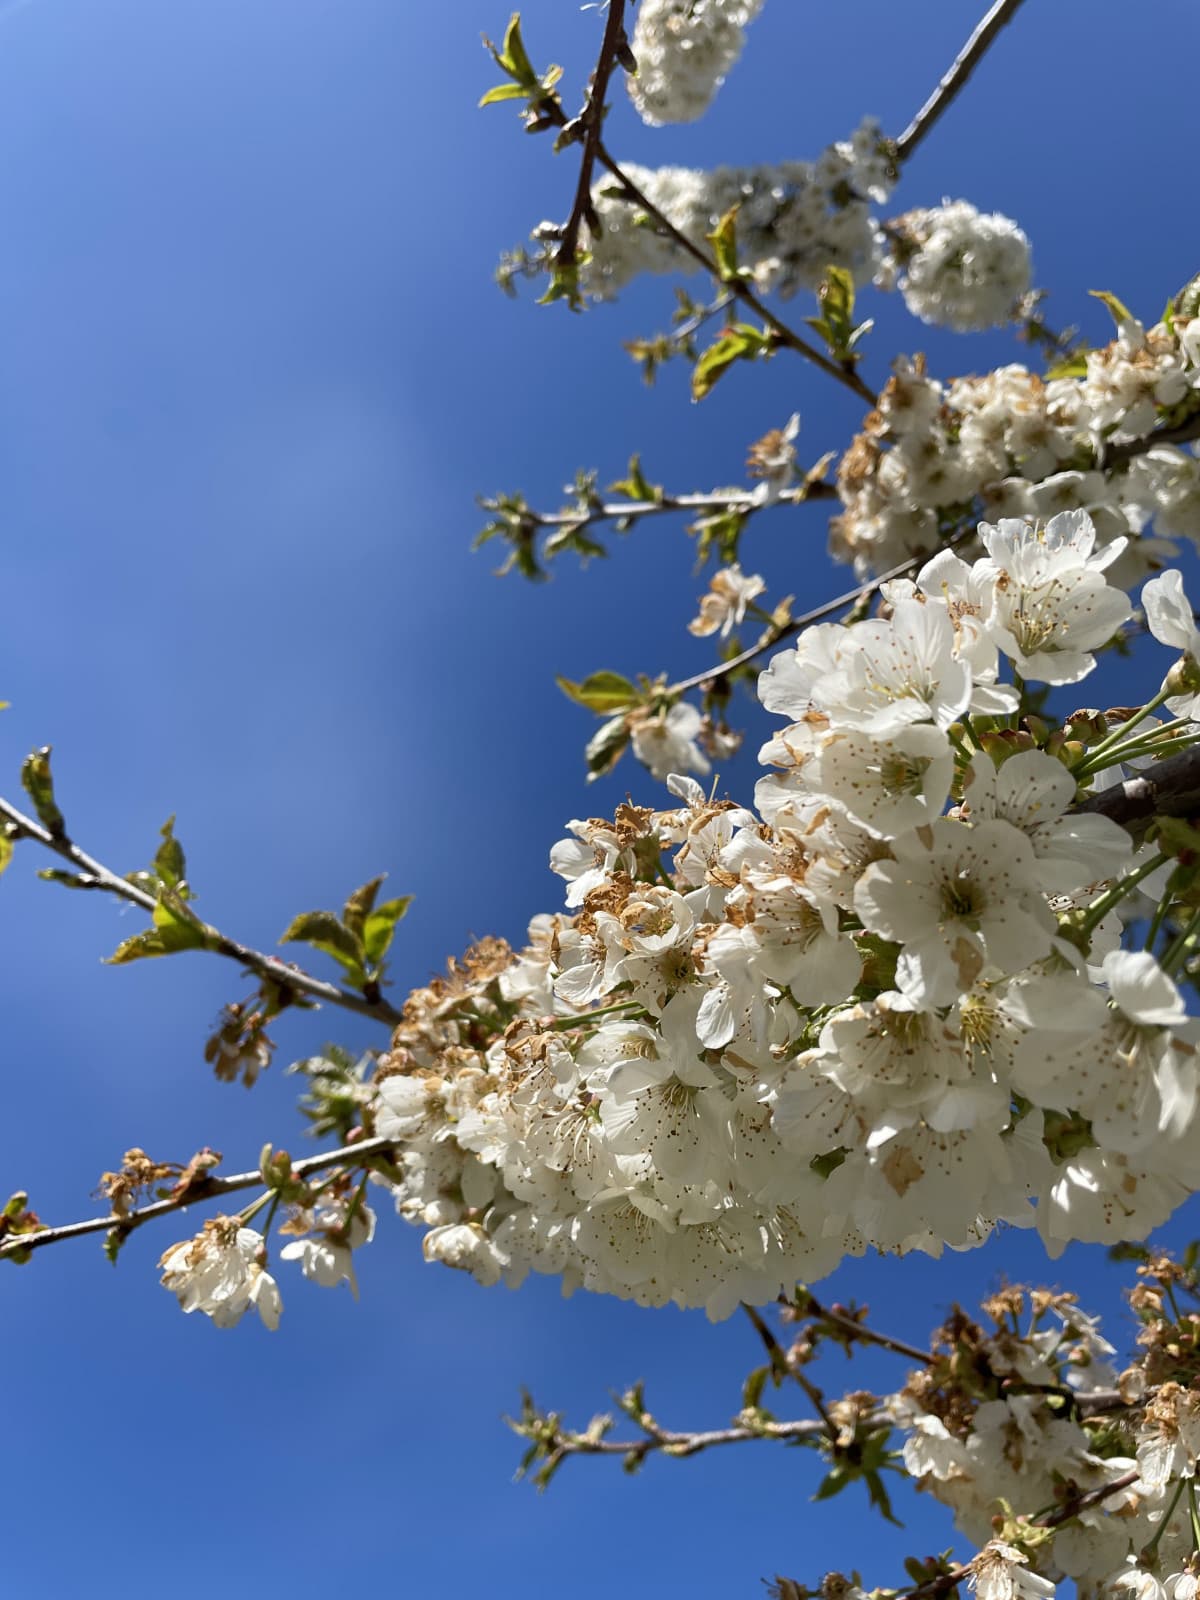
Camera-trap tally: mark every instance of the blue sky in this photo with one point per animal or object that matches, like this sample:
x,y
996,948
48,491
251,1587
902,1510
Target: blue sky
x,y
254,372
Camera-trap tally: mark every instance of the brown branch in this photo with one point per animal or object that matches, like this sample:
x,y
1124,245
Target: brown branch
x,y
850,599
1119,456
97,876
740,500
680,1444
786,1367
784,335
844,1322
591,122
955,80
208,1187
1169,788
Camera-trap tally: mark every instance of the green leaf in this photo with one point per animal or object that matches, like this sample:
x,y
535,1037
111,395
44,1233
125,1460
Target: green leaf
x,y
170,863
175,928
752,1389
1119,312
600,691
327,933
514,57
381,925
723,239
38,783
1074,366
6,850
358,908
636,486
504,91
606,747
564,283
836,323
740,342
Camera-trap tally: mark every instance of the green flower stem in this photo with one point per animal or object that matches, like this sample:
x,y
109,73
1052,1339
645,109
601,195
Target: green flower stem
x,y
1118,735
1193,1513
1166,1517
1181,947
1100,908
587,1017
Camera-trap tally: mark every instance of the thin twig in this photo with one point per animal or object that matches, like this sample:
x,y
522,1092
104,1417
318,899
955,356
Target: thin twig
x,y
208,1187
1119,456
774,636
785,335
782,1364
955,80
97,876
591,120
739,500
844,1322
684,1444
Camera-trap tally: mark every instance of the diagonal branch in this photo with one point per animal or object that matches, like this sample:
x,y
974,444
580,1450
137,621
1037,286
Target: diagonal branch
x,y
207,1187
1119,456
287,977
591,121
955,80
786,336
1169,788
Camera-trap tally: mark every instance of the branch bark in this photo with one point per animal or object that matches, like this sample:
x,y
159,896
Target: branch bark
x,y
1169,788
955,80
206,1188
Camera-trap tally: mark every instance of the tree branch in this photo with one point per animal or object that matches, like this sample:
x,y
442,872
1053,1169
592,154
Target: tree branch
x,y
1118,457
591,120
97,876
955,80
1169,788
204,1188
851,598
785,335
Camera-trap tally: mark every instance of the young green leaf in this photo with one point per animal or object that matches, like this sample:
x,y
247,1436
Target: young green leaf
x,y
600,691
739,342
328,933
1119,312
381,925
170,864
606,746
358,907
38,783
723,239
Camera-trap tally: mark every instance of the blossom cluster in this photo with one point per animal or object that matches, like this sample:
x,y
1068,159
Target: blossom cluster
x,y
1010,444
889,1007
794,220
956,267
992,1431
684,48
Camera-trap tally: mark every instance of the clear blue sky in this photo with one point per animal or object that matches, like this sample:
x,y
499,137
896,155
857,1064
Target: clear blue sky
x,y
254,371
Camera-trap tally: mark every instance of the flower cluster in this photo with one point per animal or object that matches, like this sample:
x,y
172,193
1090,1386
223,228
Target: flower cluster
x,y
991,1427
794,221
1011,444
957,267
888,1008
684,48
